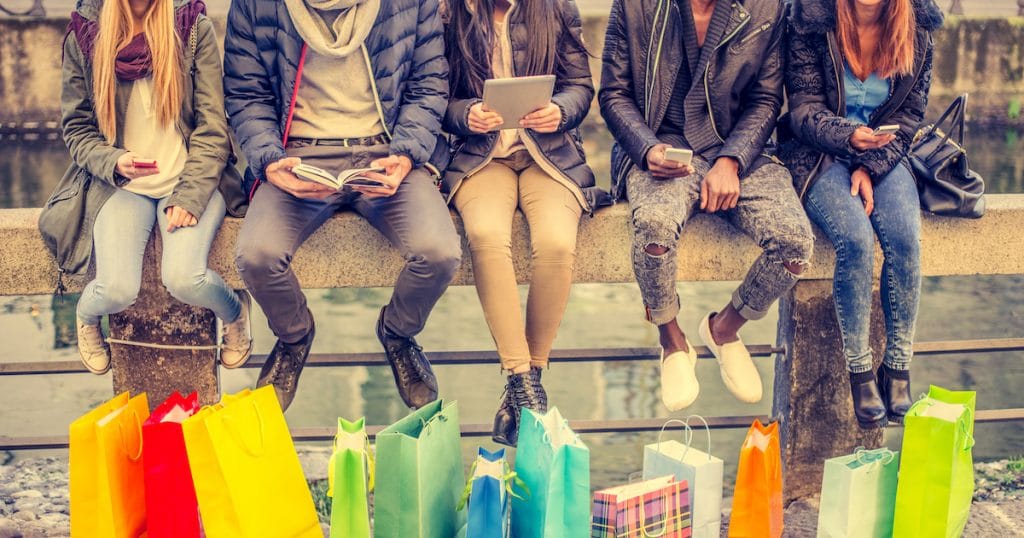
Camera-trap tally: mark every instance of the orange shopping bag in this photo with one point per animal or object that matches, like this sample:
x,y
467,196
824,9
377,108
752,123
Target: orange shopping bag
x,y
109,501
757,499
85,468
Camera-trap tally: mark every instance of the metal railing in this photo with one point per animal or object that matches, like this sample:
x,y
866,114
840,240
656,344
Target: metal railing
x,y
572,356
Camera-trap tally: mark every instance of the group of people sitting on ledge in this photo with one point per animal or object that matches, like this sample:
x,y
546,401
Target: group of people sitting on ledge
x,y
149,116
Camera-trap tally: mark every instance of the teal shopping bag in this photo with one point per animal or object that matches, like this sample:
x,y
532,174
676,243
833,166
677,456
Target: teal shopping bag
x,y
936,481
350,478
554,466
700,470
858,495
419,475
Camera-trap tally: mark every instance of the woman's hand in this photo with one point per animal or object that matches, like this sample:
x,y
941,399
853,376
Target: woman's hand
x,y
126,167
861,185
482,120
862,139
543,120
179,218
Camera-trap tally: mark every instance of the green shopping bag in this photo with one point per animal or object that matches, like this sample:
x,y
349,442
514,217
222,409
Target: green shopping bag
x,y
554,465
419,475
936,482
350,478
858,494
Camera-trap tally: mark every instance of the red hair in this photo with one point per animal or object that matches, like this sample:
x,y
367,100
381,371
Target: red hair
x,y
895,52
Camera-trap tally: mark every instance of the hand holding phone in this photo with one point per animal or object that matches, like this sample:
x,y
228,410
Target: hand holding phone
x,y
681,156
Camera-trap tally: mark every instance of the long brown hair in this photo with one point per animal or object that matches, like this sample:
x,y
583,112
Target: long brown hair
x,y
895,52
115,33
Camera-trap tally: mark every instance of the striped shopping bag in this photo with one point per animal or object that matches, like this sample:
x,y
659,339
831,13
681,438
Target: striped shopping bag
x,y
654,508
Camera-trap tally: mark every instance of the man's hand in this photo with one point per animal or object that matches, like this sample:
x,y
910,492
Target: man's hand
x,y
482,120
720,189
861,185
126,167
396,167
862,139
280,175
661,168
179,218
543,120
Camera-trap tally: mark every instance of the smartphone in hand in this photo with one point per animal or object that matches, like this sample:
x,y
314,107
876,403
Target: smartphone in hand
x,y
144,163
886,130
682,156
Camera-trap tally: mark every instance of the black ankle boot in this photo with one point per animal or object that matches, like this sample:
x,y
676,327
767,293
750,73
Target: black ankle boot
x,y
522,390
894,386
867,402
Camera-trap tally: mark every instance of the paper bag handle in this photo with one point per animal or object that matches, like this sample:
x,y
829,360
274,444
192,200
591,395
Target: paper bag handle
x,y
689,433
241,441
865,456
643,518
124,443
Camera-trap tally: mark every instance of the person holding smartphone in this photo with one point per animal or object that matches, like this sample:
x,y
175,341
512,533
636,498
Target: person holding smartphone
x,y
143,117
539,168
857,80
702,75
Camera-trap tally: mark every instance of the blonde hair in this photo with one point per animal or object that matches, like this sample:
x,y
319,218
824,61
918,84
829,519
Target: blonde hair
x,y
115,33
895,52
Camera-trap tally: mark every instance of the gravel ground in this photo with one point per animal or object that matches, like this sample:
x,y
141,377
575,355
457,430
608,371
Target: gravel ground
x,y
34,498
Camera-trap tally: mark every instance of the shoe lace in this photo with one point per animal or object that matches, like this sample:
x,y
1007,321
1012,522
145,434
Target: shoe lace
x,y
93,338
409,369
283,371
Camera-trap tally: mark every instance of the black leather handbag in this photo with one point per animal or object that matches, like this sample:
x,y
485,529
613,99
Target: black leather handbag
x,y
945,181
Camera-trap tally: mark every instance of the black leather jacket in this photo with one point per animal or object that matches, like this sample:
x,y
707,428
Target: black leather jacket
x,y
742,84
815,131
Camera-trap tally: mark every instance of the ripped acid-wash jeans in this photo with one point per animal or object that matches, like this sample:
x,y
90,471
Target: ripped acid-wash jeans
x,y
768,211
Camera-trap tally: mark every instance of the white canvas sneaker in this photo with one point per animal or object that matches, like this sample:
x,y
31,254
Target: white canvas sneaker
x,y
679,386
237,338
93,348
738,371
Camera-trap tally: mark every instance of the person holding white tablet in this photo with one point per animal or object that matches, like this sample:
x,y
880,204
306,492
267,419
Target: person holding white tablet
x,y
538,167
858,77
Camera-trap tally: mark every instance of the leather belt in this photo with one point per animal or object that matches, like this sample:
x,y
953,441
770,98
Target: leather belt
x,y
344,142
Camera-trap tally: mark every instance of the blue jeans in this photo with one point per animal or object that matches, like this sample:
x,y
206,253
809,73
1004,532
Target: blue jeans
x,y
896,220
120,234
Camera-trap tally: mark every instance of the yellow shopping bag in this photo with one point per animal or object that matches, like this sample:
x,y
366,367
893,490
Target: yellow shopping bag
x,y
120,442
248,444
86,468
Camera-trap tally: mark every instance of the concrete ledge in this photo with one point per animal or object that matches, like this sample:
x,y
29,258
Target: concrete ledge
x,y
347,252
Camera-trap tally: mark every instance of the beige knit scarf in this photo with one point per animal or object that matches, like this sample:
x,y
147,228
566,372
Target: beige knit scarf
x,y
344,35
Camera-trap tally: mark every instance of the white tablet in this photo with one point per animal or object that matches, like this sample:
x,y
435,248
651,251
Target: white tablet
x,y
516,97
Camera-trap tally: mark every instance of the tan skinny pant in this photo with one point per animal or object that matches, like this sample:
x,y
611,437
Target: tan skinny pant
x,y
487,202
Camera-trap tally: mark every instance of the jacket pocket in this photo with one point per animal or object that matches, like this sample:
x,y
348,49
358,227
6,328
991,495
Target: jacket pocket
x,y
739,45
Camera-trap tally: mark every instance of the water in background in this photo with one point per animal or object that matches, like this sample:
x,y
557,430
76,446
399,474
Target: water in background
x,y
599,315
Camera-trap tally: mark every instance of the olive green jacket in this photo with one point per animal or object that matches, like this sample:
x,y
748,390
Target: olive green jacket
x,y
67,219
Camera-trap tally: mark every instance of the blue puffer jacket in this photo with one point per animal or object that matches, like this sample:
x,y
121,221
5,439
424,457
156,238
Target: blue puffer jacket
x,y
262,54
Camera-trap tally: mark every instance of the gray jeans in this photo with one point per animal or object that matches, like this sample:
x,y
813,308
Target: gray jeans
x,y
768,211
415,219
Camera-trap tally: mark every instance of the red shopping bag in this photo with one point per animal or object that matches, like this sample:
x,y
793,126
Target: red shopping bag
x,y
171,506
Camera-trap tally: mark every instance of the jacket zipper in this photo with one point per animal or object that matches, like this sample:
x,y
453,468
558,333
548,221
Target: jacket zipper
x,y
707,69
652,73
530,143
841,89
756,33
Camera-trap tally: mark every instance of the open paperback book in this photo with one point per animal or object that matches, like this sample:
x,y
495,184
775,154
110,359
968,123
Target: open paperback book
x,y
352,177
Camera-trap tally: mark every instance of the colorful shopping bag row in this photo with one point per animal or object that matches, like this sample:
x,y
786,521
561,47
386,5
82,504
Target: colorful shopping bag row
x,y
923,492
134,473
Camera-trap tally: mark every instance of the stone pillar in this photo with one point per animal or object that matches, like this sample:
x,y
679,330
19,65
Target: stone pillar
x,y
157,318
812,387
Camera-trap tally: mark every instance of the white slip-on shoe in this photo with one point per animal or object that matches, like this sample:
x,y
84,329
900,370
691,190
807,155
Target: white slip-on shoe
x,y
679,386
738,371
237,338
93,348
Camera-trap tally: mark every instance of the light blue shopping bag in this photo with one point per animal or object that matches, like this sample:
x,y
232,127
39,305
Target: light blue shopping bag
x,y
858,495
554,465
702,471
488,495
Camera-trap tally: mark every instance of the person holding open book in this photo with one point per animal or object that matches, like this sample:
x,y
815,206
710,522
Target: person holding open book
x,y
315,89
143,116
537,166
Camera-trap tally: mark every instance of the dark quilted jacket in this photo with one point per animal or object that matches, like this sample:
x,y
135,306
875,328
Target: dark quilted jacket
x,y
574,91
816,131
743,81
262,49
